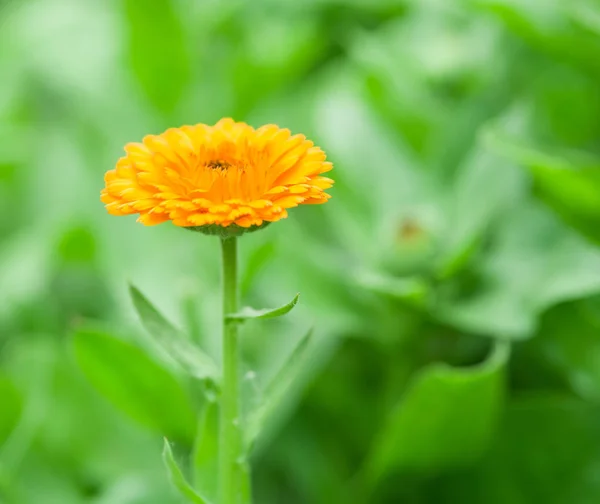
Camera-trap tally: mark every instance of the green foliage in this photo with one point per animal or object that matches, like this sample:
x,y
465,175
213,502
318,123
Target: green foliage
x,y
548,24
277,390
446,418
412,291
171,341
465,215
134,383
574,359
566,428
157,47
12,405
255,263
569,182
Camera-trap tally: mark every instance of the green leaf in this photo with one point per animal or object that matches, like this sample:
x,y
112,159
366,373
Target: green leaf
x,y
206,451
484,188
255,262
547,450
158,51
12,406
446,418
586,14
411,290
267,313
172,341
536,262
178,479
568,341
545,25
277,389
135,384
568,182
567,431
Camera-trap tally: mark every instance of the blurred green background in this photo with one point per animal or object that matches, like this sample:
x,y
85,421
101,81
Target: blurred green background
x,y
453,280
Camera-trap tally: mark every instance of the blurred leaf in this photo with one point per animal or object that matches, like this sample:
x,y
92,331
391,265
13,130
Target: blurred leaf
x,y
394,83
569,340
276,391
411,290
254,263
547,450
206,452
135,384
458,258
246,484
12,406
171,341
178,479
77,246
446,418
35,370
267,313
568,182
587,14
193,324
484,188
561,109
23,268
536,261
158,51
545,25
555,442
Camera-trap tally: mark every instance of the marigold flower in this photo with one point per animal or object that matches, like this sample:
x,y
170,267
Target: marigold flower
x,y
229,175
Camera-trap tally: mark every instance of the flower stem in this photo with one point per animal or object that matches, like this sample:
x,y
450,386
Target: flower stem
x,y
230,434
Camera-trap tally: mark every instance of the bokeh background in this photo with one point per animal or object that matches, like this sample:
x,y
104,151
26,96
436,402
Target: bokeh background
x,y
452,280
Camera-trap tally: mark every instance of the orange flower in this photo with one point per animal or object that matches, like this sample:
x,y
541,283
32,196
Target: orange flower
x,y
229,174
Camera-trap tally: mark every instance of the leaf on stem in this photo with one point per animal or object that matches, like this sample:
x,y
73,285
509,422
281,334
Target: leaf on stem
x,y
267,313
178,479
277,390
172,341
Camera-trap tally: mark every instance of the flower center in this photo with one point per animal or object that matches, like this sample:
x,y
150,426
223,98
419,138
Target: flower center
x,y
218,164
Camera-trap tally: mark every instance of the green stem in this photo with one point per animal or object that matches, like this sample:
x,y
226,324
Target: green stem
x,y
230,434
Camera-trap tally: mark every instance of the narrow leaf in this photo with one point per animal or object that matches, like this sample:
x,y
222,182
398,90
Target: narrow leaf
x,y
172,341
178,479
267,313
206,449
277,390
134,383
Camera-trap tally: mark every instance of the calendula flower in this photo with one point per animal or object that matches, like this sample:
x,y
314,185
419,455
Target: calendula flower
x,y
210,178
